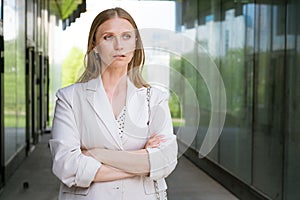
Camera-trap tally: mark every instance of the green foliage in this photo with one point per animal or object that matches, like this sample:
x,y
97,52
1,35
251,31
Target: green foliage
x,y
64,8
72,66
174,101
14,85
176,110
174,105
234,77
195,80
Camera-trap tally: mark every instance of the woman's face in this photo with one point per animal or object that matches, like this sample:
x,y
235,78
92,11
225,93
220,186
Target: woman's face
x,y
115,40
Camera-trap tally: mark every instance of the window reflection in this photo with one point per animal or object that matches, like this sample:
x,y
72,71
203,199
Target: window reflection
x,y
292,107
256,47
14,77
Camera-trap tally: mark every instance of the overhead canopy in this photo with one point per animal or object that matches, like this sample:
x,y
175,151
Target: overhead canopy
x,y
67,10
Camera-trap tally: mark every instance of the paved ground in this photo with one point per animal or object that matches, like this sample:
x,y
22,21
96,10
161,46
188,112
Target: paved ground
x,y
34,181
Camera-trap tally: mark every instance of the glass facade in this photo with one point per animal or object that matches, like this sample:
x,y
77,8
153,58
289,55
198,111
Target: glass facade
x,y
255,46
14,77
24,79
291,97
29,47
1,99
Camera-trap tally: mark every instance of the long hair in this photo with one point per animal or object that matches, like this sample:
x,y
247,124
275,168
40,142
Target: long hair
x,y
92,59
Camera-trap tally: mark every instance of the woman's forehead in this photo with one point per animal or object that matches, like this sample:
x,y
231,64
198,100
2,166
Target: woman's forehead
x,y
115,25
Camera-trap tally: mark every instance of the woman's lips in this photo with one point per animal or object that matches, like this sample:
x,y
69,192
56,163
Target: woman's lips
x,y
119,56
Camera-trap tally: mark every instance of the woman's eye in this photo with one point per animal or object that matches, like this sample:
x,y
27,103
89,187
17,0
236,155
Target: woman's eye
x,y
108,37
126,36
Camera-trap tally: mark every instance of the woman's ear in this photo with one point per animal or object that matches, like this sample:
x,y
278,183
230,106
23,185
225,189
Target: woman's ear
x,y
95,49
136,43
96,54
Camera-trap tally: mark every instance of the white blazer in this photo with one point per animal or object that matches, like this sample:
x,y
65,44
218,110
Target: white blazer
x,y
84,119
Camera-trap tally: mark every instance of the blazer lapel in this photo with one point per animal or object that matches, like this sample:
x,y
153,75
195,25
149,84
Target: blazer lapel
x,y
96,96
136,106
131,91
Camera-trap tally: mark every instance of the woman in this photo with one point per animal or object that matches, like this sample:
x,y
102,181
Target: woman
x,y
112,136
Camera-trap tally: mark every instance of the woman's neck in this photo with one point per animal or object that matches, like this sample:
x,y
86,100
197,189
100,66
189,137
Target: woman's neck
x,y
114,82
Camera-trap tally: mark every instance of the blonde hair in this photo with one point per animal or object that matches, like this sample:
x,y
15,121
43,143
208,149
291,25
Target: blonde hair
x,y
92,64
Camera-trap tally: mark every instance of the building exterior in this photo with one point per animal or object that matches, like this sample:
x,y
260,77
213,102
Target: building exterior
x,y
253,44
27,32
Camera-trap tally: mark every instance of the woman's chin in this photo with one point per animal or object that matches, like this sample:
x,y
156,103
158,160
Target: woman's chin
x,y
120,62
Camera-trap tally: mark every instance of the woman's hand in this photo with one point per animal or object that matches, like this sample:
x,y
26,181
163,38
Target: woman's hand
x,y
86,152
154,141
134,162
129,163
109,173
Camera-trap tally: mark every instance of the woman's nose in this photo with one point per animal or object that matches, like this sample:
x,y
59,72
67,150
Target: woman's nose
x,y
118,43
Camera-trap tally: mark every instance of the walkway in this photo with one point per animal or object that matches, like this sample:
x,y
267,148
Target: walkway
x,y
34,180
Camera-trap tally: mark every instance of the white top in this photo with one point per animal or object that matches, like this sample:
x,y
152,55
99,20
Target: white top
x,y
121,121
84,118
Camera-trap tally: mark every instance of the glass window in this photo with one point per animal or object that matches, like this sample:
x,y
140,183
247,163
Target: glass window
x,y
235,141
292,130
20,81
267,139
14,77
10,84
30,20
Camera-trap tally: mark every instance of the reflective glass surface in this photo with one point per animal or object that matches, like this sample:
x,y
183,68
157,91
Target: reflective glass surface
x,y
14,77
222,32
292,106
268,93
256,48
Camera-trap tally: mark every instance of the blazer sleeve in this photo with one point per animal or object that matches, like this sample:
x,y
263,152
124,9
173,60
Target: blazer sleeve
x,y
69,164
163,159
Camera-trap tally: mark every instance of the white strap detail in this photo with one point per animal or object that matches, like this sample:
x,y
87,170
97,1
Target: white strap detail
x,y
158,197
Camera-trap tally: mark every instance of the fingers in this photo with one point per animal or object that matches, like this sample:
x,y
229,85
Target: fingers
x,y
154,141
85,152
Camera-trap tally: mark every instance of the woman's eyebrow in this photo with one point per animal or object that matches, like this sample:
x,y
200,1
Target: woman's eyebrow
x,y
113,33
130,31
106,32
